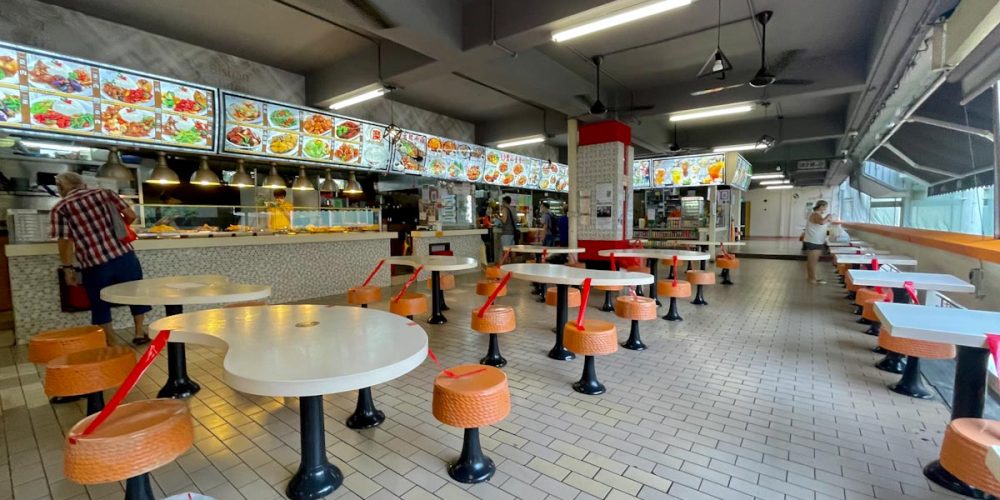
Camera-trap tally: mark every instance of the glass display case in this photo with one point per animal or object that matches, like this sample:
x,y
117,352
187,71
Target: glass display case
x,y
173,218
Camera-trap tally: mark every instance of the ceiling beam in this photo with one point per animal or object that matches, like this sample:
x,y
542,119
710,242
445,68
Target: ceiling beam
x,y
909,161
985,134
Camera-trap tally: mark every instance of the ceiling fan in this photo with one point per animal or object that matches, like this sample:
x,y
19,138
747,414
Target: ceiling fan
x,y
764,76
599,108
677,149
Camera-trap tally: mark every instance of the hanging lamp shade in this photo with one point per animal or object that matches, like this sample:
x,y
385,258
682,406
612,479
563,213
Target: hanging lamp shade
x,y
392,132
302,182
273,180
114,169
352,186
328,186
204,176
717,64
241,178
162,173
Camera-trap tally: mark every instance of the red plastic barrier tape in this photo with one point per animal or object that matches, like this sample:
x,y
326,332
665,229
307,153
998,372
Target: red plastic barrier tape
x,y
506,254
493,296
993,341
372,275
133,377
674,265
449,373
545,254
614,264
583,304
408,283
911,291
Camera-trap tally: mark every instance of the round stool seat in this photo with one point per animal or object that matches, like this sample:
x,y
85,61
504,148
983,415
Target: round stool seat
x,y
411,303
135,439
487,287
496,319
727,262
865,295
362,295
963,451
638,269
88,371
447,282
609,288
916,348
697,277
248,303
666,288
492,272
635,308
47,345
868,312
849,284
471,400
572,297
597,337
842,269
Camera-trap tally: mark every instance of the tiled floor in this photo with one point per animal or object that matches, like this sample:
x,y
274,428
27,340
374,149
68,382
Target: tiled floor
x,y
771,246
769,392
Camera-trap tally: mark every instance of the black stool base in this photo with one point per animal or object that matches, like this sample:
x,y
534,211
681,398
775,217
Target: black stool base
x,y
588,383
699,296
179,389
672,314
892,363
95,402
493,357
365,415
634,342
608,306
911,385
138,488
472,466
873,329
936,473
725,277
857,310
61,400
880,350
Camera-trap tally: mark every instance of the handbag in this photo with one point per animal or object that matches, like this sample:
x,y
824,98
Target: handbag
x,y
123,232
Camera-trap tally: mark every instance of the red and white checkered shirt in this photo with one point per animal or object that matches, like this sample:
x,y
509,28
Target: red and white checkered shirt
x,y
84,216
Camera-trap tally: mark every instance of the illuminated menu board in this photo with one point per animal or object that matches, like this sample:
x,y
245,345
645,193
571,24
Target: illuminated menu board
x,y
258,127
455,160
640,174
44,93
684,171
410,153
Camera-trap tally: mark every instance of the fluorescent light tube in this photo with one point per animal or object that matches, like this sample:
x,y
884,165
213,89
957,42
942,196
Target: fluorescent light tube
x,y
760,177
783,186
708,113
738,147
775,182
358,98
535,139
627,16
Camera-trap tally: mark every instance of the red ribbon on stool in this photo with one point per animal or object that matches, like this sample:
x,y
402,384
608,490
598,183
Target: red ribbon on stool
x,y
372,275
993,342
493,296
449,373
911,291
408,283
614,263
545,254
583,304
674,265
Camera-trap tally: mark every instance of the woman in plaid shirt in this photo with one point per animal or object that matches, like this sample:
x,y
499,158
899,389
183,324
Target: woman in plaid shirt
x,y
82,223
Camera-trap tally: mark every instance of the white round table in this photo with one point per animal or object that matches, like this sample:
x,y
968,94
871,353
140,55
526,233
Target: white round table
x,y
174,293
305,351
563,277
541,255
435,264
653,256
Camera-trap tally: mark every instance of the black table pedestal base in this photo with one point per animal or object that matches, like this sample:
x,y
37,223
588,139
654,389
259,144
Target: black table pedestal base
x,y
472,466
95,402
634,342
911,385
936,473
588,383
316,477
892,363
138,488
562,304
444,305
178,385
436,300
608,306
493,357
880,350
672,314
365,415
61,400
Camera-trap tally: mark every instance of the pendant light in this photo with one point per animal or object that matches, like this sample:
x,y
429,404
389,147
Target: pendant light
x,y
302,182
273,180
113,168
241,178
328,186
717,63
353,187
163,174
204,176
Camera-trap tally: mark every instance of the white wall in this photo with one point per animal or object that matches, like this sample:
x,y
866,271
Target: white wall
x,y
782,212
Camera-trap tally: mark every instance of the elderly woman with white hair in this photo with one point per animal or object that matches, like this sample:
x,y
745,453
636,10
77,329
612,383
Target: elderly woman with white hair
x,y
89,224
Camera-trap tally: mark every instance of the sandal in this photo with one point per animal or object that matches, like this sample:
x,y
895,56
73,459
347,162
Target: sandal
x,y
141,340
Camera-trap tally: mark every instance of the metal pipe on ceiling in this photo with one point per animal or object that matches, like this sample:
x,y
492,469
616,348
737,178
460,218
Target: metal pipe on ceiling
x,y
916,166
909,113
985,134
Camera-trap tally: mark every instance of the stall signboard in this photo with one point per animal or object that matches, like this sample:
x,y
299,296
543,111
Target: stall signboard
x,y
742,173
505,169
535,172
640,174
259,127
410,153
454,160
688,171
562,185
45,94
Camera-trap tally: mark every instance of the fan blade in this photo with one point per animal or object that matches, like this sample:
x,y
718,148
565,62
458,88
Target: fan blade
x,y
784,61
793,81
716,89
585,100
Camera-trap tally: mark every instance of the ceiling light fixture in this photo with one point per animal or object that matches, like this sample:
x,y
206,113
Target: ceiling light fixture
x,y
738,147
162,173
783,186
353,187
204,176
760,177
627,16
392,132
273,180
709,113
362,97
53,146
535,139
302,182
717,63
241,178
765,142
113,168
775,182
328,186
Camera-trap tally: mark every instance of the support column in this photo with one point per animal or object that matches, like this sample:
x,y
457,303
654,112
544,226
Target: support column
x,y
572,141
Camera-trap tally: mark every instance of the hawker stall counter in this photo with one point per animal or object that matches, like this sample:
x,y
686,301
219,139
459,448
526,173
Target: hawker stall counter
x,y
460,242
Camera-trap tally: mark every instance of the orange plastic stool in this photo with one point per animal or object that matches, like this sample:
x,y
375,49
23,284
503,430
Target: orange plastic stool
x,y
136,439
727,264
595,339
54,343
963,452
666,288
88,373
870,318
573,297
492,272
635,309
473,397
700,279
496,319
486,288
911,384
364,295
608,306
865,295
409,304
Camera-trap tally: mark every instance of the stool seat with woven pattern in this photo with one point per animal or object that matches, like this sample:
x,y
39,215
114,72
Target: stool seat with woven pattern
x,y
869,317
486,287
409,304
911,383
963,453
47,345
573,297
597,338
136,439
700,279
496,319
727,263
470,397
89,373
364,295
864,295
608,305
492,272
635,309
679,290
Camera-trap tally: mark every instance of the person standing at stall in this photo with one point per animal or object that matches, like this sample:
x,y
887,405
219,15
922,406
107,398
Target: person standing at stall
x,y
507,228
279,212
814,239
548,226
84,225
